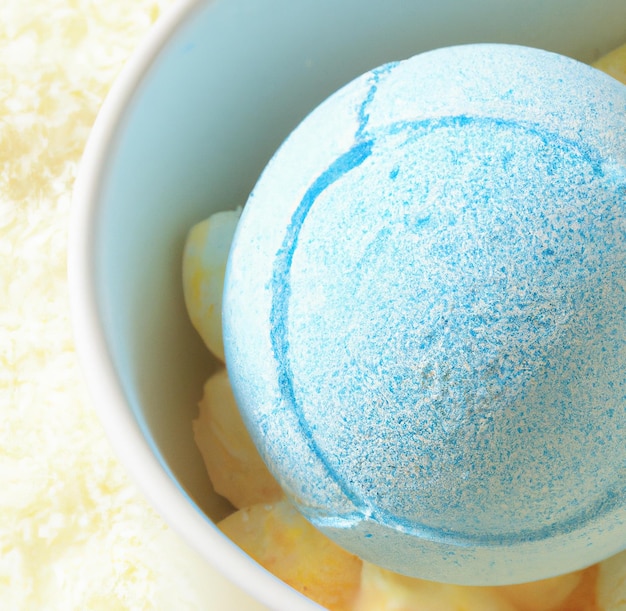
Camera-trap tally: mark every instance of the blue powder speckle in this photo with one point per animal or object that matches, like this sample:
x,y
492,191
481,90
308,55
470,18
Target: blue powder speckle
x,y
478,135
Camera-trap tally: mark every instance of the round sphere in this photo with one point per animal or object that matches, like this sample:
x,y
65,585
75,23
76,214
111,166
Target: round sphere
x,y
425,315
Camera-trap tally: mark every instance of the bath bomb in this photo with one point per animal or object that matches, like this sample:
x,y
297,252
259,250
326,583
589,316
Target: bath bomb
x,y
425,315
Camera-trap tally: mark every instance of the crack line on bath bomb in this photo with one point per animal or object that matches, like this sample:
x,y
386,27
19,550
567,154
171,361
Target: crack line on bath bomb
x,y
374,80
281,292
598,508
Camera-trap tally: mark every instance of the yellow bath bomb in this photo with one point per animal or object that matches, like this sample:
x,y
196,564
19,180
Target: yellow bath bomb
x,y
282,541
611,585
235,468
204,266
614,63
382,590
544,595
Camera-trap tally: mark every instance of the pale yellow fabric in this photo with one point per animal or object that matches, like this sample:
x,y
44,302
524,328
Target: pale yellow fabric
x,y
74,532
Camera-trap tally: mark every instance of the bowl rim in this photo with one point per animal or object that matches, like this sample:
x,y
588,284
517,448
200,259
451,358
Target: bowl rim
x,y
95,358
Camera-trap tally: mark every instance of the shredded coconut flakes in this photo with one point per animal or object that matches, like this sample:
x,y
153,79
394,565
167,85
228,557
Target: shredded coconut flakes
x,y
74,532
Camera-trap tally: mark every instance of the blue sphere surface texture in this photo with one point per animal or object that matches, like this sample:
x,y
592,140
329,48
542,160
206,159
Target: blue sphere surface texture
x,y
425,315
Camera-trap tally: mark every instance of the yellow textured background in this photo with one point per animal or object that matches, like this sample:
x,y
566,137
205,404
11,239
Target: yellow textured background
x,y
74,532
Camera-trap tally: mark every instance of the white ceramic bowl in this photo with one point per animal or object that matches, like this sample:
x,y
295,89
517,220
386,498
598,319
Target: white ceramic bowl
x,y
186,131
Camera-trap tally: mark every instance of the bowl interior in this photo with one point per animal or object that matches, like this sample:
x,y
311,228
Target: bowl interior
x,y
216,101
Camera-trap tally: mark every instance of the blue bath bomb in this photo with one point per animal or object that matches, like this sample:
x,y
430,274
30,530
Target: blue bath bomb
x,y
425,315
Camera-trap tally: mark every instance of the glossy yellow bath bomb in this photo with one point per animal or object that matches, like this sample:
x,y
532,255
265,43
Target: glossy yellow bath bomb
x,y
614,63
282,541
383,590
204,264
232,461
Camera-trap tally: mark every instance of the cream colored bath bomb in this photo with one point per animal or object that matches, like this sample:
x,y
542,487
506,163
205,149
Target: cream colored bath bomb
x,y
232,461
611,586
204,264
282,541
614,63
382,590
